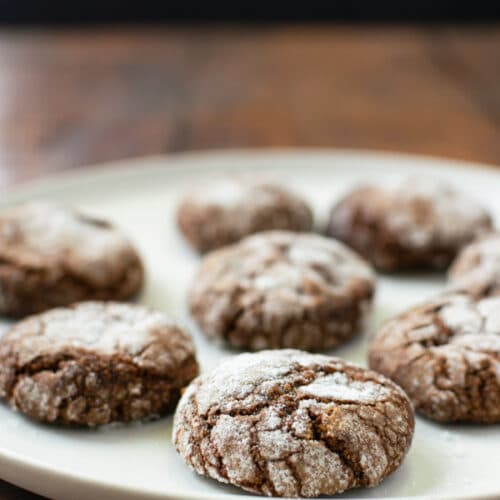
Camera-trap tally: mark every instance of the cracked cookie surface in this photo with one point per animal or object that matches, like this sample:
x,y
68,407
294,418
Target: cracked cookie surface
x,y
51,255
414,224
224,211
290,423
94,363
282,289
446,355
476,270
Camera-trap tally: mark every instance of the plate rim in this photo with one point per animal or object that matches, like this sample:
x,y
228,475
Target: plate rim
x,y
127,166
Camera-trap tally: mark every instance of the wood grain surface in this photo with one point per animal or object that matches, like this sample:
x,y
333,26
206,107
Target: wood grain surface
x,y
71,97
74,97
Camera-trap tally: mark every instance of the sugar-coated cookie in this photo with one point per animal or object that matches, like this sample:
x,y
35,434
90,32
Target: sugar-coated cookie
x,y
226,210
52,255
416,224
282,289
446,355
94,363
476,270
288,423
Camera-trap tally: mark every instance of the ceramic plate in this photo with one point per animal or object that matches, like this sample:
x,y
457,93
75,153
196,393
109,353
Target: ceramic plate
x,y
141,196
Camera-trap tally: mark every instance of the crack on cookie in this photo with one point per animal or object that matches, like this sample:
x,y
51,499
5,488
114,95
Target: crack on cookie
x,y
447,380
304,309
71,385
75,370
208,223
260,463
407,227
286,400
28,290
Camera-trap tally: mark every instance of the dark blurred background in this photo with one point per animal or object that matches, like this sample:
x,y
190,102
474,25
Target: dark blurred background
x,y
58,11
95,81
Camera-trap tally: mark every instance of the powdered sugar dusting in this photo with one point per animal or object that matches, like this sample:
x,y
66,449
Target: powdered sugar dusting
x,y
425,211
42,234
284,411
49,227
490,310
441,352
338,387
488,248
279,276
465,316
285,289
231,192
225,210
315,251
238,378
226,192
94,363
460,316
238,462
477,267
106,328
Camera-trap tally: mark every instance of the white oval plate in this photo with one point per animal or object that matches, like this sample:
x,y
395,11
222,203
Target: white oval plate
x,y
141,196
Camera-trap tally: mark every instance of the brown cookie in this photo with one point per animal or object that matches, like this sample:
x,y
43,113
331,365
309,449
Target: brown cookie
x,y
289,423
227,210
446,355
476,270
416,224
51,255
95,363
282,289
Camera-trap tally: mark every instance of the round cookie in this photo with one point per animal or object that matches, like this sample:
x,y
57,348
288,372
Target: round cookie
x,y
446,355
282,289
95,363
289,423
229,209
476,270
415,224
51,255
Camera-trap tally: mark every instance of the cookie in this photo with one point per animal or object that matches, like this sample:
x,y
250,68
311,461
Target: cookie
x,y
446,355
229,209
51,255
289,423
476,270
413,225
282,289
94,363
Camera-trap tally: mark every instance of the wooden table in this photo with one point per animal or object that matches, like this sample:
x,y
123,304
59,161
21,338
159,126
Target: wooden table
x,y
78,96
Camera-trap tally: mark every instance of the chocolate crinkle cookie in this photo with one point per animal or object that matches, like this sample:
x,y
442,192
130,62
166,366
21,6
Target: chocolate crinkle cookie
x,y
446,355
416,224
51,255
476,270
282,289
224,211
289,423
95,363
